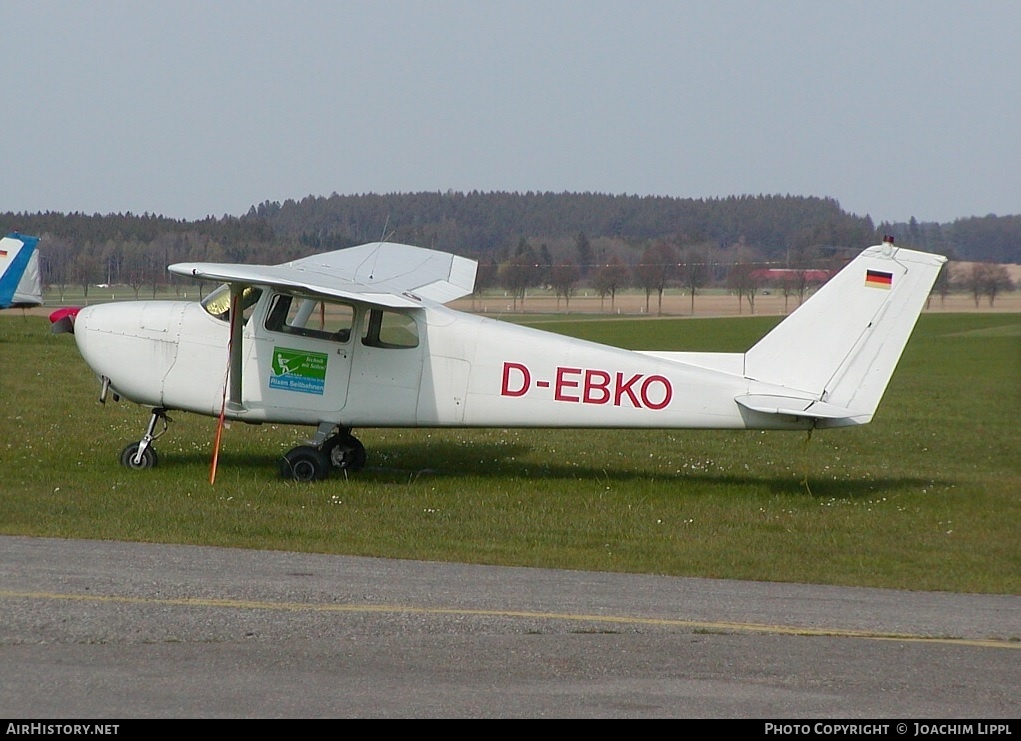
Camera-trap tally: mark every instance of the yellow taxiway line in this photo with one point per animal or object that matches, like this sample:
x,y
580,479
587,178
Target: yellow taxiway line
x,y
698,625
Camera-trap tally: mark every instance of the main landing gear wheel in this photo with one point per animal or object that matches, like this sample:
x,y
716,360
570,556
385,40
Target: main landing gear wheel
x,y
305,463
129,455
345,452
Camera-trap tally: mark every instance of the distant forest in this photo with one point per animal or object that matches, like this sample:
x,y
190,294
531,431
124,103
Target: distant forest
x,y
580,234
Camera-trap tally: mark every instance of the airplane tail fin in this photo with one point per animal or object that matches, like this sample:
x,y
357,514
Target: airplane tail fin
x,y
19,271
842,345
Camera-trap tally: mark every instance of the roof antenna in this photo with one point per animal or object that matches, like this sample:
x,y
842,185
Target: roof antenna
x,y
385,236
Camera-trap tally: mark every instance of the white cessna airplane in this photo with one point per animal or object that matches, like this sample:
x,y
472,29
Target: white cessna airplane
x,y
360,338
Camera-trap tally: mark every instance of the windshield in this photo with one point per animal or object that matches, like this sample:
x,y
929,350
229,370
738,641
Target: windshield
x,y
217,303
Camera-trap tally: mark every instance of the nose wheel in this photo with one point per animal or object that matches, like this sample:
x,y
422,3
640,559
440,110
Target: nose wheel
x,y
141,454
136,457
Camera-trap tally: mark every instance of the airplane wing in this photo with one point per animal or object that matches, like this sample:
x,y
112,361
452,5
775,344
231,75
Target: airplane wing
x,y
383,273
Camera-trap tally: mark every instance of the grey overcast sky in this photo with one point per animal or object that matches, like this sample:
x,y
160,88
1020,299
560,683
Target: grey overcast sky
x,y
188,109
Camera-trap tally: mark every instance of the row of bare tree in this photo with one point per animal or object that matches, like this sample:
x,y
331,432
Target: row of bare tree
x,y
692,269
603,265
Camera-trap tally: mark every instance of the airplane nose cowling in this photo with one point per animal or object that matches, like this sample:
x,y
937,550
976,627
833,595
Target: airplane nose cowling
x,y
134,344
62,320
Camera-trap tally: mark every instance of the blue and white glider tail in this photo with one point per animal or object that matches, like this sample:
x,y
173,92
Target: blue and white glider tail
x,y
839,349
19,271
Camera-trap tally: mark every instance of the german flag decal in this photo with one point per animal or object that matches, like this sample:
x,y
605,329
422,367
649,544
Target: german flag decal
x,y
878,279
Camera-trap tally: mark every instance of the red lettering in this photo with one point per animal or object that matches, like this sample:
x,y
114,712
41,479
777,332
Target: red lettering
x,y
621,388
525,380
596,392
638,390
562,383
668,392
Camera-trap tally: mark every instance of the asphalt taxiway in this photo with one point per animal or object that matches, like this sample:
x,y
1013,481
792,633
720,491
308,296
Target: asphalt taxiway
x,y
106,630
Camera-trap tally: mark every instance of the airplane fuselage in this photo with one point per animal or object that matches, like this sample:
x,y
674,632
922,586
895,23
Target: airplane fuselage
x,y
463,370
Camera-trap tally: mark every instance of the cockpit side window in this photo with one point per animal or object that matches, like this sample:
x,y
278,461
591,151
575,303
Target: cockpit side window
x,y
217,303
308,317
390,329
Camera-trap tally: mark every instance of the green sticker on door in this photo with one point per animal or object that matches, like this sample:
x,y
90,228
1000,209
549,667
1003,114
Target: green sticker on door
x,y
298,370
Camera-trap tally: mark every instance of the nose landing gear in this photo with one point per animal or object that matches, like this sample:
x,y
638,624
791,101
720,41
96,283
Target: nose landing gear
x,y
141,454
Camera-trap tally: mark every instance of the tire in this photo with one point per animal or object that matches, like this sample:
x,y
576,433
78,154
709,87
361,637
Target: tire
x,y
149,457
345,452
305,463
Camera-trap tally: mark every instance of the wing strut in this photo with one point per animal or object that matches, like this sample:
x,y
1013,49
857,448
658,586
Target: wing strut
x,y
234,373
236,355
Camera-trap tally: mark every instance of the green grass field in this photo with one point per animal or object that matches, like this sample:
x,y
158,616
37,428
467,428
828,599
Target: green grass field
x,y
926,497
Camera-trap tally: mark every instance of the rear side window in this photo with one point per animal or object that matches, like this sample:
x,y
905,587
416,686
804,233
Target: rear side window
x,y
390,329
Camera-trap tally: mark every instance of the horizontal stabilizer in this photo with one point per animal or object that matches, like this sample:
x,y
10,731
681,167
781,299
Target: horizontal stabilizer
x,y
769,404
